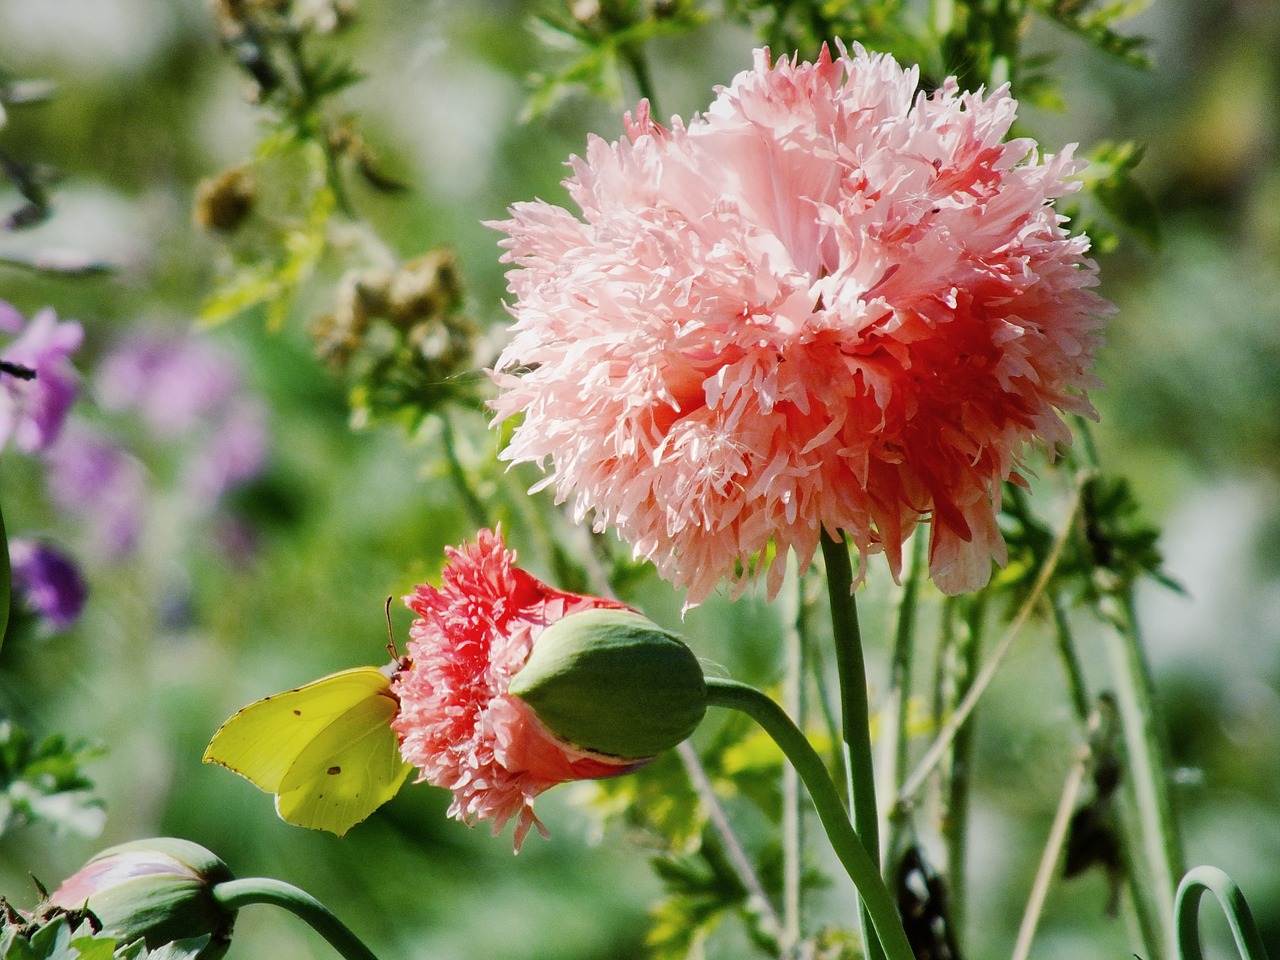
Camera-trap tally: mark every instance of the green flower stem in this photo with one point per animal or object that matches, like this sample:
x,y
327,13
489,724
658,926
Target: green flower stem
x,y
794,611
1144,903
855,708
235,894
449,445
1057,839
900,686
1186,906
310,124
876,901
1145,753
633,53
955,820
1070,658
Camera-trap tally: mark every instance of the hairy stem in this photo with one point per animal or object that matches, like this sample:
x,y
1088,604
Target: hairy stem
x,y
955,827
795,611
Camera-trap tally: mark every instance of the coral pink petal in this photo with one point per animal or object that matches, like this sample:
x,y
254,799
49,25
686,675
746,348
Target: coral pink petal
x,y
456,723
830,303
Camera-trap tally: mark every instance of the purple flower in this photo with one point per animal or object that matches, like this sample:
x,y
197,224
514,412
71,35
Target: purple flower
x,y
233,454
93,478
171,380
10,318
32,411
47,582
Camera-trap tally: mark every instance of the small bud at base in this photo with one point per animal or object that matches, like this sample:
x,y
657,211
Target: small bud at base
x,y
159,890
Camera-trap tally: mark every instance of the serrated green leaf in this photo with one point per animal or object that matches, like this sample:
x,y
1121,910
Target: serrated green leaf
x,y
45,783
53,942
178,950
95,948
1109,178
246,289
1095,26
596,70
330,76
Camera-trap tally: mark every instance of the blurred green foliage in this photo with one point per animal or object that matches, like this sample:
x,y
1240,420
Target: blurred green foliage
x,y
469,106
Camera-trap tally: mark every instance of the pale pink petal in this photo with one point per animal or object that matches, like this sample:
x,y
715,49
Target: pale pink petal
x,y
830,303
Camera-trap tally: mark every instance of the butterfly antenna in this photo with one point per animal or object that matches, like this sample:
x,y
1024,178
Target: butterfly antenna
x,y
391,636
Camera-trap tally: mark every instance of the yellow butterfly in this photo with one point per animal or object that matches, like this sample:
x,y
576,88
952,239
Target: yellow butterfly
x,y
326,750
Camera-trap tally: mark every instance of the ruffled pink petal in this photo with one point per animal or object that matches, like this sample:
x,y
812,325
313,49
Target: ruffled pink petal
x,y
456,723
829,303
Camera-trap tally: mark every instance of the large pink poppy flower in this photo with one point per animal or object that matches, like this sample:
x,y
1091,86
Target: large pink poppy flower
x,y
830,303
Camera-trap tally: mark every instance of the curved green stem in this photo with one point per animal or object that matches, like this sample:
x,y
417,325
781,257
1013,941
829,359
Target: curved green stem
x,y
862,870
1186,906
855,708
235,894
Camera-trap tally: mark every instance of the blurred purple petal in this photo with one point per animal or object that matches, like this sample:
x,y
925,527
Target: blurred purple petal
x,y
235,453
32,411
11,319
47,582
95,479
170,380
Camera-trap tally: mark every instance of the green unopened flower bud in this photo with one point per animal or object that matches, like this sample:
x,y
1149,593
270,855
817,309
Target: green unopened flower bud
x,y
159,890
613,682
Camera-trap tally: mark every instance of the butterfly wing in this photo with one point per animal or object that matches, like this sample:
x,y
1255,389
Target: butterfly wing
x,y
326,749
349,770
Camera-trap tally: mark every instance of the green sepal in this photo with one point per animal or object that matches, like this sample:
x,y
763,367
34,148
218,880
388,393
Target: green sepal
x,y
615,683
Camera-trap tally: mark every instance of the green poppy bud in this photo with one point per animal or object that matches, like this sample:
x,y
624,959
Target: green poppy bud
x,y
613,682
159,890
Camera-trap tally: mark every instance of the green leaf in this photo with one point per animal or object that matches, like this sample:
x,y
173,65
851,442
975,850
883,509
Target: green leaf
x,y
95,947
53,942
248,288
1095,25
1109,177
178,950
329,76
596,68
45,783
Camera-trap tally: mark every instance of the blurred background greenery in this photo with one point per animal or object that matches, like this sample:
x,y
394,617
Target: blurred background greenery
x,y
286,583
